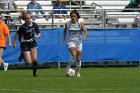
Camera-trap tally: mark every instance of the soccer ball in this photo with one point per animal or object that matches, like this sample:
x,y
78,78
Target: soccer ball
x,y
70,72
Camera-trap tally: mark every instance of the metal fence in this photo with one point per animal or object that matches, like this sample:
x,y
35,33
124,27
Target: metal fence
x,y
92,18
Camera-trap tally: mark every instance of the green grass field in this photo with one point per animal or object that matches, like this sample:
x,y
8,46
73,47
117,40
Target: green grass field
x,y
93,80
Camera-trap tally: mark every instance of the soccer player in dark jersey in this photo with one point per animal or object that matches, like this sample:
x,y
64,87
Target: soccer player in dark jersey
x,y
26,35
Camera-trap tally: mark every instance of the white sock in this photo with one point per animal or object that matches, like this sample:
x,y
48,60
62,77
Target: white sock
x,y
78,66
70,61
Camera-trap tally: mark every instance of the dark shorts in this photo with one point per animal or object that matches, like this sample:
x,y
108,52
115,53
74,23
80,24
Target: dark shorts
x,y
27,46
3,47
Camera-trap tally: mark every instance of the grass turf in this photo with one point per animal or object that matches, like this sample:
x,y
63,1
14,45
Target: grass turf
x,y
93,80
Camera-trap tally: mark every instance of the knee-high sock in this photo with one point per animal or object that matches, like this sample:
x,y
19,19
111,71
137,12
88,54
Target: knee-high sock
x,y
70,61
34,67
78,66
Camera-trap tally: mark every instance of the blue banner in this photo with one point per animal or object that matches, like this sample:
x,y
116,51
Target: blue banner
x,y
100,45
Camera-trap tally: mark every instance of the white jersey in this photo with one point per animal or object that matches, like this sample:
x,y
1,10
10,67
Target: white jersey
x,y
74,31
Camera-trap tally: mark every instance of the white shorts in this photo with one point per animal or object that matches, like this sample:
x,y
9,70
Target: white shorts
x,y
76,44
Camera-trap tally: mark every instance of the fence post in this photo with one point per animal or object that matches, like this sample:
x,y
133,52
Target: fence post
x,y
58,65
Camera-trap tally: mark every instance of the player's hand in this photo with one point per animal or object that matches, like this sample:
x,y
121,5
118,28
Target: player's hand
x,y
62,42
14,45
38,36
84,36
9,44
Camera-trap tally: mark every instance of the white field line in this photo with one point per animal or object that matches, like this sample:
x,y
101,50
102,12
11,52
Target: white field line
x,y
58,90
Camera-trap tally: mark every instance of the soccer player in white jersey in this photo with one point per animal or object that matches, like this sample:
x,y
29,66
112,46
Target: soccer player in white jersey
x,y
75,36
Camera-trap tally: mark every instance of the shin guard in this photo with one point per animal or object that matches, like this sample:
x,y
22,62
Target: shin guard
x,y
70,61
78,66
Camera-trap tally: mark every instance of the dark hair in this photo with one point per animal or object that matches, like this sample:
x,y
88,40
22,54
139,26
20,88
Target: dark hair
x,y
75,12
24,14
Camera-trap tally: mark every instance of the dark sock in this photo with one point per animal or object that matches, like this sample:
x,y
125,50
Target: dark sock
x,y
34,68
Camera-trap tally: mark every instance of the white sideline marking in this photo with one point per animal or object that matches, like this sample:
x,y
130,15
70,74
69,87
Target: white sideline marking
x,y
8,89
56,90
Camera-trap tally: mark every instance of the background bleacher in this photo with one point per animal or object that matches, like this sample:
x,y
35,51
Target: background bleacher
x,y
94,13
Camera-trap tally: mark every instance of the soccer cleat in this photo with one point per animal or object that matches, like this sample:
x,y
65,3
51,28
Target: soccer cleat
x,y
78,74
6,66
35,75
67,69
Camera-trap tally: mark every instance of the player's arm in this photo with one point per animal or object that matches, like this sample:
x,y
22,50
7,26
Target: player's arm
x,y
38,35
64,33
15,39
84,29
8,34
9,39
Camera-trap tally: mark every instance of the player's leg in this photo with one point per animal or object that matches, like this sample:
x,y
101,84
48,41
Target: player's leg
x,y
72,57
78,58
25,50
33,49
78,63
21,56
27,57
71,46
1,52
34,60
5,65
